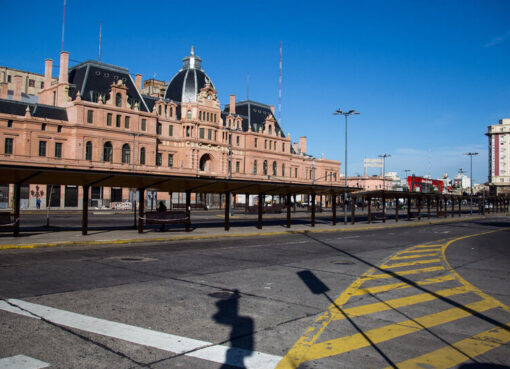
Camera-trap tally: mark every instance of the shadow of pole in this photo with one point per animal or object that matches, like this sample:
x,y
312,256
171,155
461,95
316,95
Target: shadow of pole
x,y
318,287
241,334
415,285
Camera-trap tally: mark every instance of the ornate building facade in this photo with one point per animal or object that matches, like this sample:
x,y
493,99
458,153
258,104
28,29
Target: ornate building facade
x,y
96,116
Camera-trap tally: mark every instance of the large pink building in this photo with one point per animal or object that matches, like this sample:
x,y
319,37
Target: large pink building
x,y
95,116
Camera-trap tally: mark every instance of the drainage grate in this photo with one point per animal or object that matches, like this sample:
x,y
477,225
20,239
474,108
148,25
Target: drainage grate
x,y
343,262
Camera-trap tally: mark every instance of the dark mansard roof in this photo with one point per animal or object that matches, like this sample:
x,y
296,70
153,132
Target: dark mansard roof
x,y
37,110
188,82
93,78
253,114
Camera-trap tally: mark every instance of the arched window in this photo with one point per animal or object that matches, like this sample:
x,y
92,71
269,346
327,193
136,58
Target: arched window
x,y
255,167
108,151
205,164
283,170
270,130
126,154
264,168
200,115
208,116
159,110
88,150
275,169
118,99
142,156
188,114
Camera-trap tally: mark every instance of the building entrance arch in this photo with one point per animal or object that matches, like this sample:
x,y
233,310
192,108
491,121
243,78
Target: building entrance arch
x,y
206,163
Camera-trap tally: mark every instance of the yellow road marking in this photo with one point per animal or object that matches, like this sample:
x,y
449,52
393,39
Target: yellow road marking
x,y
397,303
416,262
426,246
406,272
296,355
417,251
414,256
450,356
394,286
356,341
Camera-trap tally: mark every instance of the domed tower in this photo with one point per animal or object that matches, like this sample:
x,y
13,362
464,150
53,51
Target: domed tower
x,y
187,83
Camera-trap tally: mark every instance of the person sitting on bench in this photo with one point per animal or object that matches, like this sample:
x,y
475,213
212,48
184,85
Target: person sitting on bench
x,y
162,209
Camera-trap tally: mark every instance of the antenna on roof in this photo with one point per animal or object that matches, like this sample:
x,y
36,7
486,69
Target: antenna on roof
x,y
63,25
100,32
280,88
248,86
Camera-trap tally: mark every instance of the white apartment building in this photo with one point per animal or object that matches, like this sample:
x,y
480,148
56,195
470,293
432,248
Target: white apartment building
x,y
499,163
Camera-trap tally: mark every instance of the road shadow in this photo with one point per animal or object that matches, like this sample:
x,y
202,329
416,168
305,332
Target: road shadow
x,y
241,333
483,366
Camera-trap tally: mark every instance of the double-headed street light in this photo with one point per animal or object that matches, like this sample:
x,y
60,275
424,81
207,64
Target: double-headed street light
x,y
384,156
345,114
471,154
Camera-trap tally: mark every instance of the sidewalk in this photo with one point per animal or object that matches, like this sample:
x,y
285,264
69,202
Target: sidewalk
x,y
42,238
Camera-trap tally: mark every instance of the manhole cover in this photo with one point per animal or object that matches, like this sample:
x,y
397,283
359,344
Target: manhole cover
x,y
131,259
221,294
343,263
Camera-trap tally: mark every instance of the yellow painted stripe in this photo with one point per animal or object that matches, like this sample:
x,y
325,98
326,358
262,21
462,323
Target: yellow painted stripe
x,y
395,286
426,246
405,272
410,263
451,356
356,341
414,256
417,251
397,303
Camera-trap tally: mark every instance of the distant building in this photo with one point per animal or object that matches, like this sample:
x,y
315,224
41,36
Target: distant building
x,y
370,183
461,182
28,83
499,160
154,87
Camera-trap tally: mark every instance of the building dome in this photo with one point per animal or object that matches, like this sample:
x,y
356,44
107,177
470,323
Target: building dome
x,y
188,82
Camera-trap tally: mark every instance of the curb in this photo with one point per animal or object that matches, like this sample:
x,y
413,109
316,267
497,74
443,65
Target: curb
x,y
233,235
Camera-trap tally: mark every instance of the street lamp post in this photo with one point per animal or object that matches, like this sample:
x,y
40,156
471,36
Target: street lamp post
x,y
471,154
384,156
345,114
230,130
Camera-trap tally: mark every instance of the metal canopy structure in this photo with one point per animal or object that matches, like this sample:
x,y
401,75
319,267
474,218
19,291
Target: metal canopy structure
x,y
201,184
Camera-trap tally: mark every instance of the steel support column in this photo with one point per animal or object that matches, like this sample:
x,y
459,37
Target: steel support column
x,y
408,208
141,208
369,217
85,211
288,210
384,209
188,211
333,208
227,210
313,210
418,207
428,208
17,205
353,209
260,208
397,204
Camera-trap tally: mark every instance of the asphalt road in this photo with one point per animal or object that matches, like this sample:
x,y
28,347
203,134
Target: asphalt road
x,y
405,298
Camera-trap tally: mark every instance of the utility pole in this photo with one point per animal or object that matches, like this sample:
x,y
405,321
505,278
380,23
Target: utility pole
x,y
384,156
345,114
471,154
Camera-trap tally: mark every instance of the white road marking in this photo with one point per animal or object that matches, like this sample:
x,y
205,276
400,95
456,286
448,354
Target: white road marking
x,y
181,345
22,362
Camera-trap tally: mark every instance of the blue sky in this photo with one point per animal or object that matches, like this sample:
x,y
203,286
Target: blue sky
x,y
427,76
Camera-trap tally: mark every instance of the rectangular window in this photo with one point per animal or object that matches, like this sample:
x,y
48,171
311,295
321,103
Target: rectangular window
x,y
58,149
215,132
158,159
117,121
202,130
188,132
170,129
159,127
170,160
9,79
265,144
90,116
255,167
283,146
31,83
209,134
8,145
255,142
43,127
238,166
42,84
295,172
109,119
9,123
126,122
59,129
42,148
144,125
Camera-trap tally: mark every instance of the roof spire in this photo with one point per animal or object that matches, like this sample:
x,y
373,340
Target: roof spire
x,y
192,50
192,61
